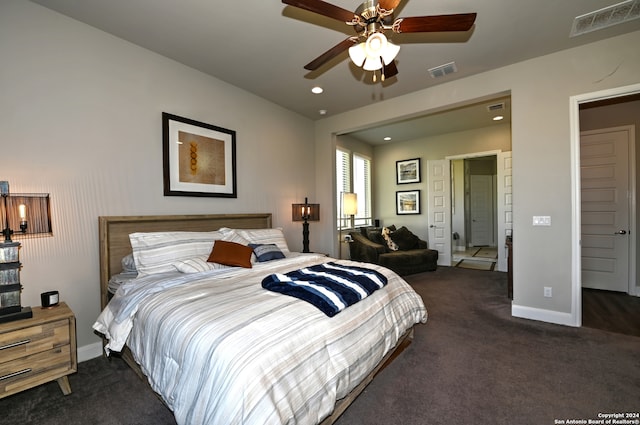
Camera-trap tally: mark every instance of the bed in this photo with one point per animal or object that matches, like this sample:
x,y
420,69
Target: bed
x,y
217,347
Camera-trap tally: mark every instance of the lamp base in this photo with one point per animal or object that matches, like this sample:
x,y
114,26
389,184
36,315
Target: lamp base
x,y
24,313
305,237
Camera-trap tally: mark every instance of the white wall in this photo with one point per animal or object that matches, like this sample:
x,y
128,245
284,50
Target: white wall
x,y
540,89
80,118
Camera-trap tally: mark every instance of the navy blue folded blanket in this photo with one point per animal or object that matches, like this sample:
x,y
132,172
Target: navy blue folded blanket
x,y
331,287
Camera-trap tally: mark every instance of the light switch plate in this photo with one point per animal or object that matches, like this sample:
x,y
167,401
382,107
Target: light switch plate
x,y
542,220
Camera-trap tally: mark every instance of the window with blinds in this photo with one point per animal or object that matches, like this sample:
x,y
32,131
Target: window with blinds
x,y
353,174
362,187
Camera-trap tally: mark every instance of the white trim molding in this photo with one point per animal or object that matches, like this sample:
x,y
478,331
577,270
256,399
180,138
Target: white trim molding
x,y
88,352
543,315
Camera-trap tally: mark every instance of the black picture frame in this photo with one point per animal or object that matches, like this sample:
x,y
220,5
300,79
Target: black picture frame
x,y
408,171
407,202
199,159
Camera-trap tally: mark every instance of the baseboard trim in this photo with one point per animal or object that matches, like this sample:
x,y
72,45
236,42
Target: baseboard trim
x,y
542,315
88,352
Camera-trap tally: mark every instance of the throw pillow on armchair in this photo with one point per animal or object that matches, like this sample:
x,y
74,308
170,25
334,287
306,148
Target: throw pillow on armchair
x,y
386,234
404,239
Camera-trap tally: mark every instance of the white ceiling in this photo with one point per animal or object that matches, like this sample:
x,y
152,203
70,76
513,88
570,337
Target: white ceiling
x,y
262,45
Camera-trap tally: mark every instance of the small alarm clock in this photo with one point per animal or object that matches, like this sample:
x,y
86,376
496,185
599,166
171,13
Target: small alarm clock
x,y
49,299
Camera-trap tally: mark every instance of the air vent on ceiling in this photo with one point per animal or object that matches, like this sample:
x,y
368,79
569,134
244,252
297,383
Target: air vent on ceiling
x,y
495,107
442,70
606,17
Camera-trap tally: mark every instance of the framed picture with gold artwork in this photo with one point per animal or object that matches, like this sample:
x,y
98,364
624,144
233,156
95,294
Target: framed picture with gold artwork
x,y
407,202
199,158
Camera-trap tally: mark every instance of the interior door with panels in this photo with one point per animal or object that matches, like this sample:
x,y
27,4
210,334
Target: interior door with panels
x,y
439,208
605,180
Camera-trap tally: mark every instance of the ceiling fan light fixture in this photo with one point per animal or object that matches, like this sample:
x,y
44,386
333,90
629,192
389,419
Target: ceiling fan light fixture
x,y
372,54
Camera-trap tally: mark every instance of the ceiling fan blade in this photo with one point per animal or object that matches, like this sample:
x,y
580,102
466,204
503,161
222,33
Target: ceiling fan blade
x,y
435,23
388,4
330,54
390,70
322,8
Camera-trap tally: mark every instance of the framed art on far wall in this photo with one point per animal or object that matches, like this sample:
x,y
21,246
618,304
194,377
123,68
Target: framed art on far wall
x,y
408,202
408,171
199,159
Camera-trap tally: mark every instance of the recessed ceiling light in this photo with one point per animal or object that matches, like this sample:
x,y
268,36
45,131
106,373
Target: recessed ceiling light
x,y
386,139
322,112
317,90
498,118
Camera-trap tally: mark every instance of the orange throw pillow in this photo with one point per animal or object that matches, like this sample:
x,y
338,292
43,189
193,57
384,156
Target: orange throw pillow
x,y
231,254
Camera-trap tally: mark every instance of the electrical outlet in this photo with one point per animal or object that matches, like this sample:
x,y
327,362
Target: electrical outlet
x,y
548,293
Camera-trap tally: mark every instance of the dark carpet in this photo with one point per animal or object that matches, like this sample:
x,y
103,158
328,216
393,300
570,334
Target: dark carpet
x,y
472,363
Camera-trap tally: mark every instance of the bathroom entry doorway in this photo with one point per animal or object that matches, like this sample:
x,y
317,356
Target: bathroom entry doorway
x,y
473,202
480,205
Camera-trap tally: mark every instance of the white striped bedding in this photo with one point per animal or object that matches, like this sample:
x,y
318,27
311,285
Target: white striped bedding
x,y
220,349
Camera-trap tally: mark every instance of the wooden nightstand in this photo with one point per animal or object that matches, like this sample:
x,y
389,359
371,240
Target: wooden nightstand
x,y
38,350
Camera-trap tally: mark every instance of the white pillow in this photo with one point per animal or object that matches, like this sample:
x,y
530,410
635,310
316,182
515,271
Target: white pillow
x,y
157,252
232,235
197,264
266,236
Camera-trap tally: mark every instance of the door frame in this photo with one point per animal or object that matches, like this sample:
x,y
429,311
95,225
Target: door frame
x,y
502,255
574,133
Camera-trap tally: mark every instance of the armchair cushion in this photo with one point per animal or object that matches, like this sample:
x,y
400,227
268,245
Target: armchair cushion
x,y
418,258
374,234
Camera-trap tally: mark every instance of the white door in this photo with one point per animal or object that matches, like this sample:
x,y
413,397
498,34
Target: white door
x,y
505,207
439,208
481,200
604,169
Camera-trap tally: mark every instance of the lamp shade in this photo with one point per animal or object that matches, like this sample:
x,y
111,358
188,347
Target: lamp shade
x,y
27,214
372,64
349,203
358,54
390,53
299,211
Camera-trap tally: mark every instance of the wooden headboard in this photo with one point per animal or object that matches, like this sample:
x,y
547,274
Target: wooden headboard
x,y
114,235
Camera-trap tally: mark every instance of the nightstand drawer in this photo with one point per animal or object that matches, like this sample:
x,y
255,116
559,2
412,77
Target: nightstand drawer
x,y
35,369
35,339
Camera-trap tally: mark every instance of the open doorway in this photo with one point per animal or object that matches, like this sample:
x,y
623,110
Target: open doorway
x,y
474,212
608,141
446,200
608,130
581,107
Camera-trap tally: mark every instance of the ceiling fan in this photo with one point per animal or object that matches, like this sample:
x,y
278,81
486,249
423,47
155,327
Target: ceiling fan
x,y
369,48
